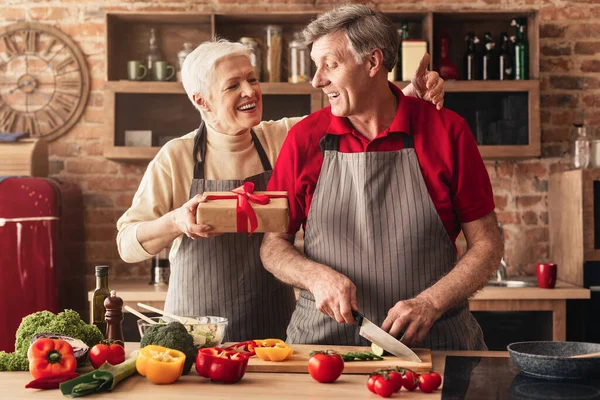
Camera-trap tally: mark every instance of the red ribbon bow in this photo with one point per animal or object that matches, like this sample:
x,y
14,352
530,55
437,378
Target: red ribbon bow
x,y
243,209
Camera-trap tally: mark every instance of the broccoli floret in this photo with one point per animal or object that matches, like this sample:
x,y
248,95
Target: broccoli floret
x,y
13,362
173,336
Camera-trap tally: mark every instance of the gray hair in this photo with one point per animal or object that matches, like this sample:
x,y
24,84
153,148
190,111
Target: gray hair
x,y
366,29
199,65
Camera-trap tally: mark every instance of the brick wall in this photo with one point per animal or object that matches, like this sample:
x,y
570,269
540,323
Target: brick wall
x,y
570,78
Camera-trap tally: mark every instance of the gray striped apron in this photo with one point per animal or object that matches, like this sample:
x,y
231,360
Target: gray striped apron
x,y
372,219
223,275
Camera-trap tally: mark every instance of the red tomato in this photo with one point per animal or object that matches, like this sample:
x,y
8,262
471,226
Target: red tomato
x,y
371,383
428,383
410,381
325,367
396,379
437,379
101,353
383,387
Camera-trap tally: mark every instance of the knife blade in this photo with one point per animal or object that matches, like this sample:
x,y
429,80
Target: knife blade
x,y
381,338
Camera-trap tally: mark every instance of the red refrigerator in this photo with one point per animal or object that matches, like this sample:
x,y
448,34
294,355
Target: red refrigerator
x,y
39,220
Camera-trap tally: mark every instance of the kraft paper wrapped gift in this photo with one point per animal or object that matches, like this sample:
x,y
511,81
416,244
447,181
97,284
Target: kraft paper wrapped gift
x,y
222,214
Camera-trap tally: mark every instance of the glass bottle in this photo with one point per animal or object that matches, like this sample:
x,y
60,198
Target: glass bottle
x,y
396,73
100,294
505,67
274,49
298,61
471,70
153,54
445,66
255,58
580,147
490,62
521,58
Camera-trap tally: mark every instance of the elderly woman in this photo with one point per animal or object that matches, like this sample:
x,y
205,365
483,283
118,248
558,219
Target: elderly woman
x,y
214,274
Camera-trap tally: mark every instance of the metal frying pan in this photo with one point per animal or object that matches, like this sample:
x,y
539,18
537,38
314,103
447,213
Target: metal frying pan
x,y
552,360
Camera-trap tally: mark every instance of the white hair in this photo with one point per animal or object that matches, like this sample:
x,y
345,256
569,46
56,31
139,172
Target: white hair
x,y
199,65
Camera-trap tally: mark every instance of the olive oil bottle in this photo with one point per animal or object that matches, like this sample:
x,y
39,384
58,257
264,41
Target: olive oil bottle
x,y
100,294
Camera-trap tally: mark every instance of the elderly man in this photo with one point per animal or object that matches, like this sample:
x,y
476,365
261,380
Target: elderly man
x,y
383,184
218,274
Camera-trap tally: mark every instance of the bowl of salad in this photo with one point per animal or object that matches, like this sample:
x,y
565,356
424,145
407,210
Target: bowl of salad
x,y
208,331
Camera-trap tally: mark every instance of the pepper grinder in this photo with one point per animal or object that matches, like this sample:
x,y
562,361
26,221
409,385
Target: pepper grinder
x,y
114,318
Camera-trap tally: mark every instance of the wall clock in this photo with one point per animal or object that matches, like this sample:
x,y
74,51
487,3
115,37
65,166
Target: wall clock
x,y
44,80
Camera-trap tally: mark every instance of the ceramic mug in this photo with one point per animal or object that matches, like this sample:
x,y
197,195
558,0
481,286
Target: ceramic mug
x,y
163,71
546,275
136,71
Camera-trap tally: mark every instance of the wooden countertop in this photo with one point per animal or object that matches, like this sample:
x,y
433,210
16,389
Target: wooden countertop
x,y
253,386
137,291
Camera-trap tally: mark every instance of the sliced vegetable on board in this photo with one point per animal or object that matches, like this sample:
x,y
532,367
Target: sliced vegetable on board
x,y
221,365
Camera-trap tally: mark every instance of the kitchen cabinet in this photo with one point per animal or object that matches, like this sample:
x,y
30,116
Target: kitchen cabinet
x,y
491,108
574,225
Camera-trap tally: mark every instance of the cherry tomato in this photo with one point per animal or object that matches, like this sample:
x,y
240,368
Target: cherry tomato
x,y
428,383
437,379
371,383
383,387
410,381
113,354
396,379
325,367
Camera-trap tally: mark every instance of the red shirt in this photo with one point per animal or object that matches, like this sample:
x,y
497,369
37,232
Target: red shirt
x,y
452,168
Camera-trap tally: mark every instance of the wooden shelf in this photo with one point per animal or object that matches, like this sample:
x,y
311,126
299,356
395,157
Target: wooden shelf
x,y
491,86
125,86
122,153
162,107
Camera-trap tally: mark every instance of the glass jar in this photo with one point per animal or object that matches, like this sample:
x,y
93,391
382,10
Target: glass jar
x,y
298,61
255,58
580,148
188,47
274,49
595,154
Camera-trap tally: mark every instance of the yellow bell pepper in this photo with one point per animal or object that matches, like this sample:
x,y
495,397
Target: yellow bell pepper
x,y
160,364
268,342
278,352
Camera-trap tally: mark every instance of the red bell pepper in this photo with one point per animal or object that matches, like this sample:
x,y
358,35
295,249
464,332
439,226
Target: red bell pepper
x,y
50,357
221,365
51,382
246,347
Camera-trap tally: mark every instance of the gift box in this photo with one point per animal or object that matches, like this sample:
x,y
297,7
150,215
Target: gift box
x,y
243,210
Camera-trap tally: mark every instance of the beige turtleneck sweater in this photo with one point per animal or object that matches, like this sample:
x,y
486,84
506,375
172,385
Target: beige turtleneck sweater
x,y
166,183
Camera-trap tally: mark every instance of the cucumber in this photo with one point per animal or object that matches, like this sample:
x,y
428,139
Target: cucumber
x,y
377,350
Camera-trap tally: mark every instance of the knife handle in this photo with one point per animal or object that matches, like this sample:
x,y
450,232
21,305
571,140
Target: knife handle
x,y
358,317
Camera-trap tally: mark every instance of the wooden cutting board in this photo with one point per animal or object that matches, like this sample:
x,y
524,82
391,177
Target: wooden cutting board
x,y
299,360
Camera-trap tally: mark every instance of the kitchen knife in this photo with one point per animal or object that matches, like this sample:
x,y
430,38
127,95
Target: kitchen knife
x,y
381,338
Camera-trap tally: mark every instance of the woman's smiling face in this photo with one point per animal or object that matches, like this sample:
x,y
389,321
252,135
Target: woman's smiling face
x,y
235,98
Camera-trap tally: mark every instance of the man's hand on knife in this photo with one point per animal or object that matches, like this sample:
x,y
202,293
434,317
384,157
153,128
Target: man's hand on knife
x,y
335,295
414,317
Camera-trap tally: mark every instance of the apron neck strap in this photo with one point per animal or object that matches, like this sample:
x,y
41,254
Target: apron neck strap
x,y
332,142
200,151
